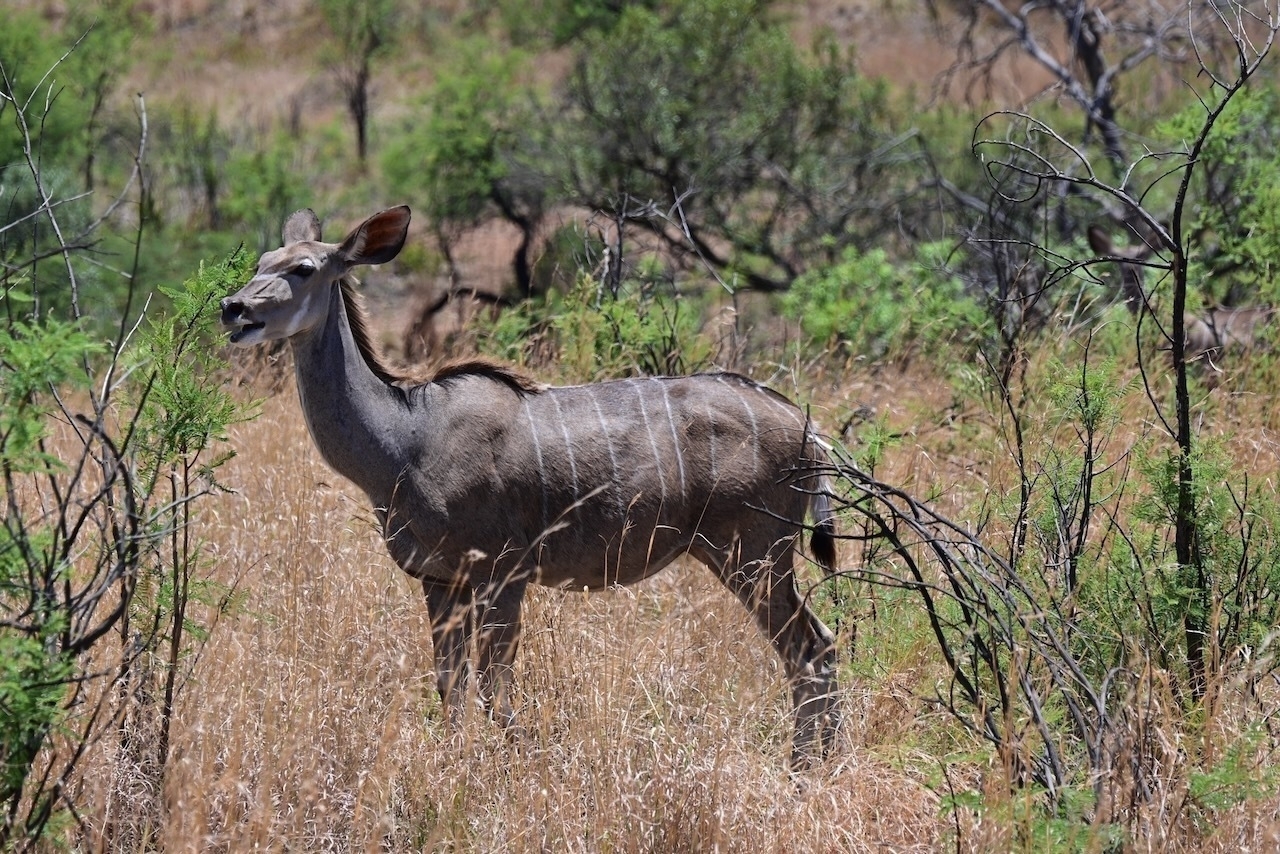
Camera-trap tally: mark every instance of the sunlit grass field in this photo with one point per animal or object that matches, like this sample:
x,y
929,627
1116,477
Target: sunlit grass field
x,y
657,716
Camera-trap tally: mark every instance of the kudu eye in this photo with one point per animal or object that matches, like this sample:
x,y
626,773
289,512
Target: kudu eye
x,y
304,269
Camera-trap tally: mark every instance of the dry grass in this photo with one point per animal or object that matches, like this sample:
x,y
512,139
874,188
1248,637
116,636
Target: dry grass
x,y
659,717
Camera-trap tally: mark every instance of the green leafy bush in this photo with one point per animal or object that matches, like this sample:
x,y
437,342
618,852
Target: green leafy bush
x,y
588,334
36,666
97,565
867,306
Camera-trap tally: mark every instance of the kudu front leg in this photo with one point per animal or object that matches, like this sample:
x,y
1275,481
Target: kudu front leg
x,y
451,609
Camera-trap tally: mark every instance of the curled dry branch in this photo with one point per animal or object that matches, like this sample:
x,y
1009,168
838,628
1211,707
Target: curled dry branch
x,y
1014,659
1229,42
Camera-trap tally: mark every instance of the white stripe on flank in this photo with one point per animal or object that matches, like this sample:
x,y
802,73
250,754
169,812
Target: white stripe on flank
x,y
613,455
653,442
675,435
568,446
711,424
755,426
542,471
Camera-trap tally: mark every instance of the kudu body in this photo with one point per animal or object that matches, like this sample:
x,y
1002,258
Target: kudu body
x,y
1210,333
485,481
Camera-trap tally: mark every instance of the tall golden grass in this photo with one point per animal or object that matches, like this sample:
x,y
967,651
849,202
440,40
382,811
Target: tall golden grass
x,y
658,717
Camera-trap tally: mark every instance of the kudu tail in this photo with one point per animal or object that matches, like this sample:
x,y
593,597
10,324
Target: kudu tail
x,y
823,541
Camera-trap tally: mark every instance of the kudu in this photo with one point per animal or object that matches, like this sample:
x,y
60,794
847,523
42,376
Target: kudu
x,y
1209,334
484,481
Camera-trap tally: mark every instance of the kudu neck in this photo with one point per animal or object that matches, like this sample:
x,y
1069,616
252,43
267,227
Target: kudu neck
x,y
354,415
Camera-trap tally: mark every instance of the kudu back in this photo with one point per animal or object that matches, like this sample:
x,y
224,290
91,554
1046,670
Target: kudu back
x,y
1211,333
485,481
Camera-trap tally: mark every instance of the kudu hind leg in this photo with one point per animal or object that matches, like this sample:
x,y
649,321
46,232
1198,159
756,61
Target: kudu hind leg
x,y
814,686
760,574
498,613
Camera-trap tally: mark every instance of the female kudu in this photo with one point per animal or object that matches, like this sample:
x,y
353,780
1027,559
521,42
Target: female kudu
x,y
1209,334
484,480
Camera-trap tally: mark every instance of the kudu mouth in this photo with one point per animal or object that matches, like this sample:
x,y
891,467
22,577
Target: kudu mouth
x,y
237,325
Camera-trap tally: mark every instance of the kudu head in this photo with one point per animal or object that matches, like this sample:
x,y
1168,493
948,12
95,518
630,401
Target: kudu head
x,y
290,293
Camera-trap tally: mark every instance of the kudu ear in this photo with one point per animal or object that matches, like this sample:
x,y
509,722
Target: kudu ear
x,y
378,239
1100,241
301,225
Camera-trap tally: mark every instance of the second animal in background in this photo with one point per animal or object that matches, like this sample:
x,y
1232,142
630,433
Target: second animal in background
x,y
1211,334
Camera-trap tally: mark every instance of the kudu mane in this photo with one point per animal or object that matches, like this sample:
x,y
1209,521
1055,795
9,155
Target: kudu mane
x,y
358,321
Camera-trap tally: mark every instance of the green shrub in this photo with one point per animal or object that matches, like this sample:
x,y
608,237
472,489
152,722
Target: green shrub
x,y
97,565
590,335
37,669
869,307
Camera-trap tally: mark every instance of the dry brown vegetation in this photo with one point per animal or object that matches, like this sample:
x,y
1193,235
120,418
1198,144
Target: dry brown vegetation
x,y
658,715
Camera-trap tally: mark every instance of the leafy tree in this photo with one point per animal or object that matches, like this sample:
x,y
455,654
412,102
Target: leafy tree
x,y
764,161
471,158
779,161
263,185
198,150
364,29
32,78
561,22
109,27
75,68
54,88
1235,198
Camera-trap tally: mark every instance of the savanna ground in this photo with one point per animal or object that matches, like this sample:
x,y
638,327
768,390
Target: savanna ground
x,y
658,717
306,716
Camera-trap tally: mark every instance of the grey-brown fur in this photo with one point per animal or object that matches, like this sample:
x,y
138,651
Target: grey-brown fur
x,y
485,481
